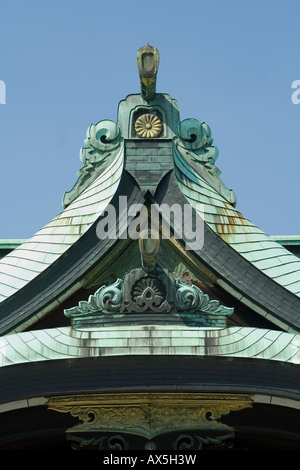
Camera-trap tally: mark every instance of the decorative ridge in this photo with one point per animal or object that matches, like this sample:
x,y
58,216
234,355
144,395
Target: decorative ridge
x,y
147,293
149,289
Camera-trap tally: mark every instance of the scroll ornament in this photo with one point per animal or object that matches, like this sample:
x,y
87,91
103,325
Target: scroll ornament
x,y
107,299
100,138
194,143
196,136
190,298
149,294
102,141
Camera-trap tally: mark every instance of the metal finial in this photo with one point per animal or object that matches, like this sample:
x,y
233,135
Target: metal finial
x,y
148,62
149,244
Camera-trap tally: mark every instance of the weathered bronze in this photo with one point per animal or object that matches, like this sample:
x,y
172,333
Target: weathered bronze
x,y
148,62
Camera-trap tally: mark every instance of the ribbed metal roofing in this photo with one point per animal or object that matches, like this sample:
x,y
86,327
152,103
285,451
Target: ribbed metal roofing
x,y
33,256
241,234
198,180
64,343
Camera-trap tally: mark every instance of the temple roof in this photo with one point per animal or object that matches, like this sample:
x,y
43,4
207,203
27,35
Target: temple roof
x,y
149,156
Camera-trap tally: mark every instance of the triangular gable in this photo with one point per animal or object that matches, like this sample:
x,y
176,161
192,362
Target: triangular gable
x,y
176,162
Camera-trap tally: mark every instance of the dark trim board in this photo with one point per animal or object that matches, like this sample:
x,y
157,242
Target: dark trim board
x,y
143,373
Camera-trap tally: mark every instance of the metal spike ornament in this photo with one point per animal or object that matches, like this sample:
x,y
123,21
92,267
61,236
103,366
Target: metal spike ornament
x,y
148,62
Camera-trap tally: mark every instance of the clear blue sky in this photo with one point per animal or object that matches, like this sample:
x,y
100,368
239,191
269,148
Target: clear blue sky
x,y
67,64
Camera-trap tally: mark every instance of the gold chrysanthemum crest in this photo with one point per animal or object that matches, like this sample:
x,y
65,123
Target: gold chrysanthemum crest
x,y
148,125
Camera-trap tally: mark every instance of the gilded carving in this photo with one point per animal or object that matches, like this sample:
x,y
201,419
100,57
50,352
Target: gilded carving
x,y
148,126
149,414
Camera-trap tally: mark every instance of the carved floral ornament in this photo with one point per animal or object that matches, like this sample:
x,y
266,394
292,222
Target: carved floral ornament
x,y
148,126
148,293
149,414
151,292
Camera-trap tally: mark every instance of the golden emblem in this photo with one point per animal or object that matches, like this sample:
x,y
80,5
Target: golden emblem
x,y
148,125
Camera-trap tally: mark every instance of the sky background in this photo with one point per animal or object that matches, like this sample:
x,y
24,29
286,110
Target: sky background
x,y
67,64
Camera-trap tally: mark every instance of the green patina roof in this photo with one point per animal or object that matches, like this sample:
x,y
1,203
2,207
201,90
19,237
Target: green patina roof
x,y
287,240
11,243
184,147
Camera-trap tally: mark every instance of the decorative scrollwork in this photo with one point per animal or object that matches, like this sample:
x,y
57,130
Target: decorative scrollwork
x,y
195,442
187,442
194,143
101,137
107,299
196,135
114,442
190,298
149,292
102,140
152,414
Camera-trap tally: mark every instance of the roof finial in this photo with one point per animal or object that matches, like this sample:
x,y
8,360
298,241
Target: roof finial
x,y
148,62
